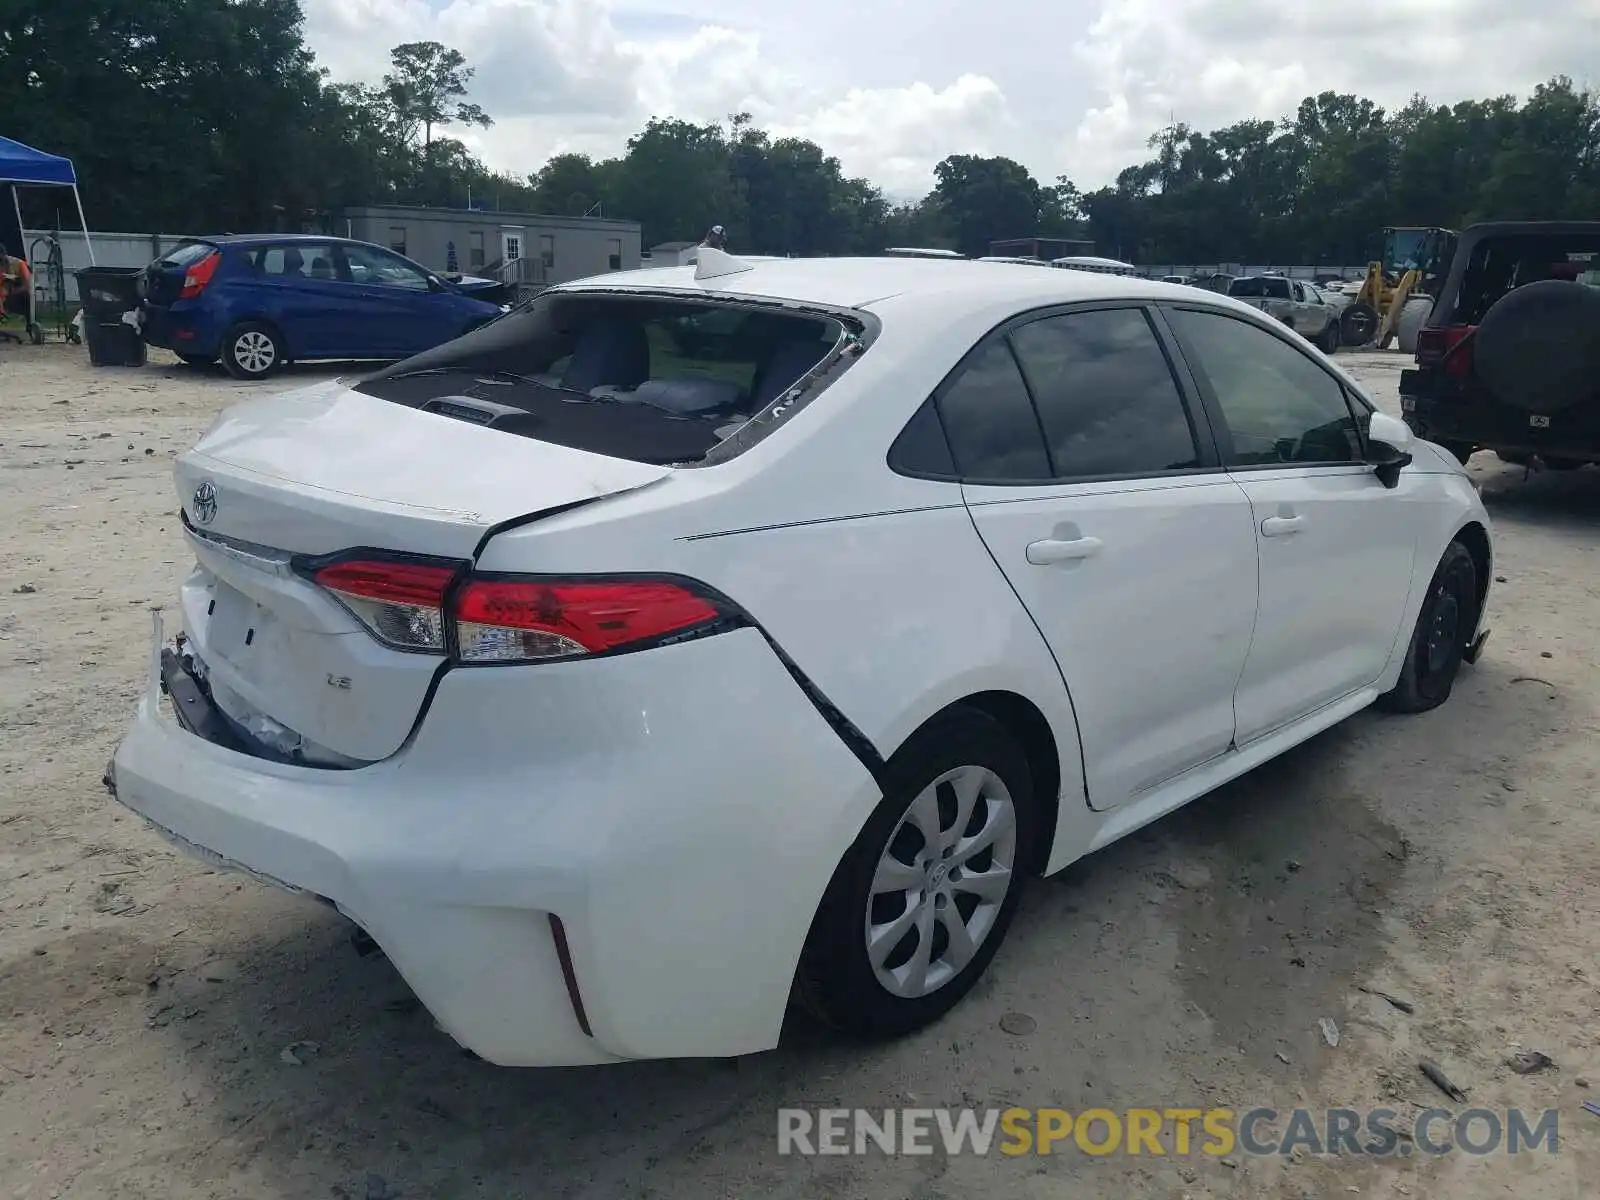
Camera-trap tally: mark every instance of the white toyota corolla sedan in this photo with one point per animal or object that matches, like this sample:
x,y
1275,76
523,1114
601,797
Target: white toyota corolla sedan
x,y
692,640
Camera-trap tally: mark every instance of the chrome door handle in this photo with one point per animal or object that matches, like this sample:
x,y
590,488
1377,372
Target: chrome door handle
x,y
1281,526
1058,550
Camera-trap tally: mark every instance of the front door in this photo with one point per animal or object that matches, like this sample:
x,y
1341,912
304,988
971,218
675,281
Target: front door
x,y
510,245
1336,546
394,309
1098,490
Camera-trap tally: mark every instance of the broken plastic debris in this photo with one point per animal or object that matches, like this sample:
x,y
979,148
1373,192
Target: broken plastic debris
x,y
296,1054
1404,1006
1330,1031
1526,1062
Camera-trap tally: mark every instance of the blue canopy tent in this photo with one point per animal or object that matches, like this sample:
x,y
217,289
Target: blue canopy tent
x,y
23,166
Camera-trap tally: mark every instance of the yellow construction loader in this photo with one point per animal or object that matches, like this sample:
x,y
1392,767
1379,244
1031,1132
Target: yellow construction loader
x,y
1413,259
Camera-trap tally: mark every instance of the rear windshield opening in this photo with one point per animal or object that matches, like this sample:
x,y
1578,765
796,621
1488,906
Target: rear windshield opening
x,y
651,379
1500,265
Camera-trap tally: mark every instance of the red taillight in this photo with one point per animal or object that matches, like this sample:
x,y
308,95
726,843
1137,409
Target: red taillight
x,y
522,620
1449,347
513,619
197,276
401,603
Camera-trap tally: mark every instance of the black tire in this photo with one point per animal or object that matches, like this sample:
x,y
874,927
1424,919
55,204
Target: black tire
x,y
252,350
1358,324
836,980
1538,346
1328,339
196,360
1446,623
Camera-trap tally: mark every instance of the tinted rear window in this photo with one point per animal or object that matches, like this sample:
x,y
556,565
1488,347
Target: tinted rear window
x,y
1500,264
650,379
1105,395
1259,288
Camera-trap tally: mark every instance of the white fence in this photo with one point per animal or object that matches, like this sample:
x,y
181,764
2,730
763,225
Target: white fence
x,y
110,250
138,249
1298,272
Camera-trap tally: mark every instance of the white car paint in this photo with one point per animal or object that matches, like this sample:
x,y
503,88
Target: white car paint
x,y
1151,672
715,784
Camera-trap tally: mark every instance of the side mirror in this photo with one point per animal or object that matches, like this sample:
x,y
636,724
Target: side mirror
x,y
1389,442
435,284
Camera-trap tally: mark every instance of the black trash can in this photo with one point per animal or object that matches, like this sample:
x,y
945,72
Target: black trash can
x,y
114,343
106,294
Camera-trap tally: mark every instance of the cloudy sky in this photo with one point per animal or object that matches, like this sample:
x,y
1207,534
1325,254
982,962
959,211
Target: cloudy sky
x,y
1065,86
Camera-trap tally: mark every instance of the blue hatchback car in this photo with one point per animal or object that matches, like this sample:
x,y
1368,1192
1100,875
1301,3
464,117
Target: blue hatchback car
x,y
259,301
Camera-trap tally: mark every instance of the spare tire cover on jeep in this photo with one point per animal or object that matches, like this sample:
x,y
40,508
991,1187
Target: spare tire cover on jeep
x,y
1538,347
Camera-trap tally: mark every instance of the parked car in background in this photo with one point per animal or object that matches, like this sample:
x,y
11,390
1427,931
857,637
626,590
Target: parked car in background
x,y
1334,295
1297,304
698,637
1508,358
259,301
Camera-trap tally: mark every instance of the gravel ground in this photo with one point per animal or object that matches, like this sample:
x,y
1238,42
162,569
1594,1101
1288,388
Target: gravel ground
x,y
145,1002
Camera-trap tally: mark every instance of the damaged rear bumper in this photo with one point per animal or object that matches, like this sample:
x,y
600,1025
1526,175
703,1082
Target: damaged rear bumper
x,y
620,862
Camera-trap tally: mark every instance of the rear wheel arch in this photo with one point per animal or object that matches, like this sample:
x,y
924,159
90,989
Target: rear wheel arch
x,y
1475,538
1023,721
274,326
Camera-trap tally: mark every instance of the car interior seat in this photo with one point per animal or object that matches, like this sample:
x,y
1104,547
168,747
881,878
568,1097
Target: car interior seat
x,y
321,268
608,353
788,361
294,264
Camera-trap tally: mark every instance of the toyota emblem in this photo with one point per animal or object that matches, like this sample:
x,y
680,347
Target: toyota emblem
x,y
205,502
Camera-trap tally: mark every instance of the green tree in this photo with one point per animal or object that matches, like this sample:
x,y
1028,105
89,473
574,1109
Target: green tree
x,y
675,180
986,198
574,185
426,88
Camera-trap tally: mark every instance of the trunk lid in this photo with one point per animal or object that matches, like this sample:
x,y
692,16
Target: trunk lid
x,y
163,279
326,470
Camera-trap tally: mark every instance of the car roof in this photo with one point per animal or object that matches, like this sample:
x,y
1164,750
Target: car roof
x,y
276,239
1529,228
860,282
1090,260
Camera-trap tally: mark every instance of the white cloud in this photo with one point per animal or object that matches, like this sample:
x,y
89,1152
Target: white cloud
x,y
1069,87
1212,62
894,136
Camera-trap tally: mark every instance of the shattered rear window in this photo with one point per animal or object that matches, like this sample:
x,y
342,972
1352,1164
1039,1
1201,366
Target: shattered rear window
x,y
651,378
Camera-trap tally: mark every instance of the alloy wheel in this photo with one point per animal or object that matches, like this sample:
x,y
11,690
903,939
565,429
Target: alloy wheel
x,y
941,881
255,352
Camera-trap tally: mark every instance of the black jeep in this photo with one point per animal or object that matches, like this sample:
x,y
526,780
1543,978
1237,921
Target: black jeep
x,y
1509,357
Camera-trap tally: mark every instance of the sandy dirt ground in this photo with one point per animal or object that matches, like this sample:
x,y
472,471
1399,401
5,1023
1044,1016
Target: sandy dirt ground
x,y
145,1002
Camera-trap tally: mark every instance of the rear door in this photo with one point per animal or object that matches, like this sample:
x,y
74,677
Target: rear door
x,y
1336,546
295,284
1097,488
